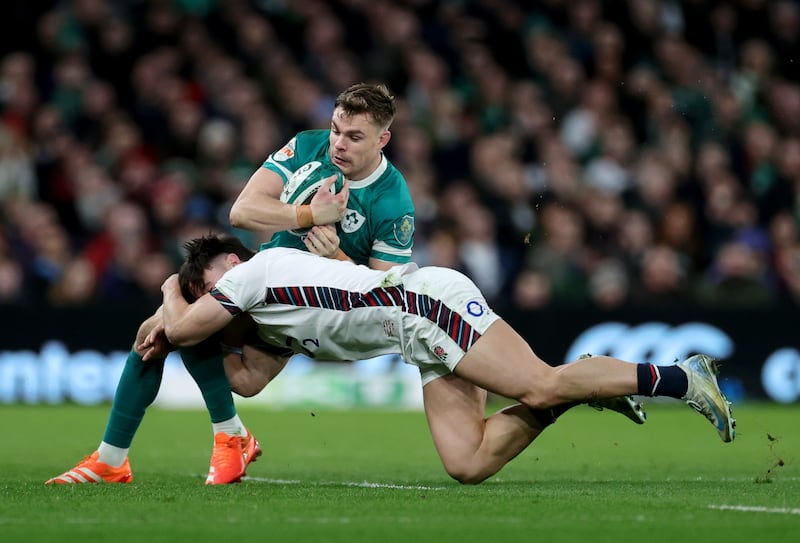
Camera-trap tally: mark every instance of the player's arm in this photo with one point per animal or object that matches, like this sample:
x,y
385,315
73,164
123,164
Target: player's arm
x,y
377,264
151,341
258,206
188,324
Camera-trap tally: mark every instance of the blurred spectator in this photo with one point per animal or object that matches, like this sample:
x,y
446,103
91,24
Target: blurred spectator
x,y
609,285
532,290
11,281
611,170
488,261
119,250
559,254
736,278
76,286
788,269
662,280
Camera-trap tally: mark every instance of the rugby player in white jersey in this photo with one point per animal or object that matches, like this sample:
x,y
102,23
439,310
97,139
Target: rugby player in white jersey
x,y
436,319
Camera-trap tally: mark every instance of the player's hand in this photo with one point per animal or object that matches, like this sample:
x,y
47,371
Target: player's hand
x,y
170,283
322,240
327,208
155,344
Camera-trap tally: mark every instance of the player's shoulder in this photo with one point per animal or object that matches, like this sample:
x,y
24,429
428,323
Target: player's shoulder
x,y
393,187
389,181
312,140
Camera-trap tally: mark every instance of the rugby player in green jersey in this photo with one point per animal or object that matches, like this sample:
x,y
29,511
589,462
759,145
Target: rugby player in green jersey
x,y
370,221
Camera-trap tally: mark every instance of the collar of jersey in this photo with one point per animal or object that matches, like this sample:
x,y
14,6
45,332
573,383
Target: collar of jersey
x,y
371,178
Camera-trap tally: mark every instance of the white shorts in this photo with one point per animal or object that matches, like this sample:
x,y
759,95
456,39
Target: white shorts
x,y
445,314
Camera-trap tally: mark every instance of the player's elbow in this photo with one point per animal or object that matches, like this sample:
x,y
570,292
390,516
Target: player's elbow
x,y
236,216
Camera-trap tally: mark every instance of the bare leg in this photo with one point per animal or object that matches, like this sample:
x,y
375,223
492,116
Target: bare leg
x,y
250,371
471,446
502,362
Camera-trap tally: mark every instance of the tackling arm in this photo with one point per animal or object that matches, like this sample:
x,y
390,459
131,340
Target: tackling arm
x,y
188,324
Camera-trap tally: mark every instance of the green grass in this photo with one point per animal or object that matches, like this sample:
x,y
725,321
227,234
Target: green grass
x,y
592,477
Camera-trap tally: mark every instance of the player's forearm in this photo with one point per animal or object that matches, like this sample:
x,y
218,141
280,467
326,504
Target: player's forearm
x,y
262,212
173,309
178,324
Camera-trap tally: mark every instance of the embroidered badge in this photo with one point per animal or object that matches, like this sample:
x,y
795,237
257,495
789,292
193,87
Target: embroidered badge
x,y
404,229
352,221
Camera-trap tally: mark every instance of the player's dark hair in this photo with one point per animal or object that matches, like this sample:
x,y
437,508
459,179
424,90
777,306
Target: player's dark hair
x,y
200,252
373,99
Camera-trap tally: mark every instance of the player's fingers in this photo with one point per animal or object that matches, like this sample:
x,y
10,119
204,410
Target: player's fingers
x,y
325,232
326,183
322,240
311,245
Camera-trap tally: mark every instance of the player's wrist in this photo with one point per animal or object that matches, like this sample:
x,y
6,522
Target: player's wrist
x,y
305,219
340,255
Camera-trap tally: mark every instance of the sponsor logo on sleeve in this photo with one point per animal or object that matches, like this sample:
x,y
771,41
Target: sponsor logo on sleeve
x,y
286,152
475,308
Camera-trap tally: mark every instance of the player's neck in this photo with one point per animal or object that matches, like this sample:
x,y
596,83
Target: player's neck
x,y
368,170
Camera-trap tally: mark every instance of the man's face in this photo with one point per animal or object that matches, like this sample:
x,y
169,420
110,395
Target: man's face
x,y
356,143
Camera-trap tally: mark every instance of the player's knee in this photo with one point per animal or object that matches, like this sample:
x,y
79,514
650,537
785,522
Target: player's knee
x,y
245,387
467,477
466,472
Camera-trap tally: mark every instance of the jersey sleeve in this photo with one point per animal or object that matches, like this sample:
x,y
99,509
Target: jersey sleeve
x,y
393,217
284,161
241,288
302,148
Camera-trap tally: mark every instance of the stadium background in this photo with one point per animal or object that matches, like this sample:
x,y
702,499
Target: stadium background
x,y
629,165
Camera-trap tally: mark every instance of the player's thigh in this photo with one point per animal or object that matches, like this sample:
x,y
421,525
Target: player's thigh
x,y
502,362
455,410
251,370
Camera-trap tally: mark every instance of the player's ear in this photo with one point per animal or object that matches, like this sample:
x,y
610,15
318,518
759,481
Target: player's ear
x,y
232,260
385,137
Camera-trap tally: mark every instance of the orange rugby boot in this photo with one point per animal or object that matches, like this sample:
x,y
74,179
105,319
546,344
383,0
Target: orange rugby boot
x,y
91,470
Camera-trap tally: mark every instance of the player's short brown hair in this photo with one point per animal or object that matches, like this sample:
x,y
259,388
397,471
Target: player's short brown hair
x,y
372,99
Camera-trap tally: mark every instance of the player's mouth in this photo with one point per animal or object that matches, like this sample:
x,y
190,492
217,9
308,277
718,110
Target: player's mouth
x,y
339,161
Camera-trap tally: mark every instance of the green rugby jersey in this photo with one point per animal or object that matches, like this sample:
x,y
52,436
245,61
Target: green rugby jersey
x,y
379,221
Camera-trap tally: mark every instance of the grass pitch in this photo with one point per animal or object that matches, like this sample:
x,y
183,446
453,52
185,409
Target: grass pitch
x,y
374,476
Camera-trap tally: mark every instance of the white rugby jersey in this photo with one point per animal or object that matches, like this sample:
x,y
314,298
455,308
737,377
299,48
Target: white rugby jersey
x,y
327,309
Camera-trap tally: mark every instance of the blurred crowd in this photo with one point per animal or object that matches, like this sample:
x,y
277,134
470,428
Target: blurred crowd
x,y
578,153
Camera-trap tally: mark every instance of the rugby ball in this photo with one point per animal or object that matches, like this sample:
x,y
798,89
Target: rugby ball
x,y
304,183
